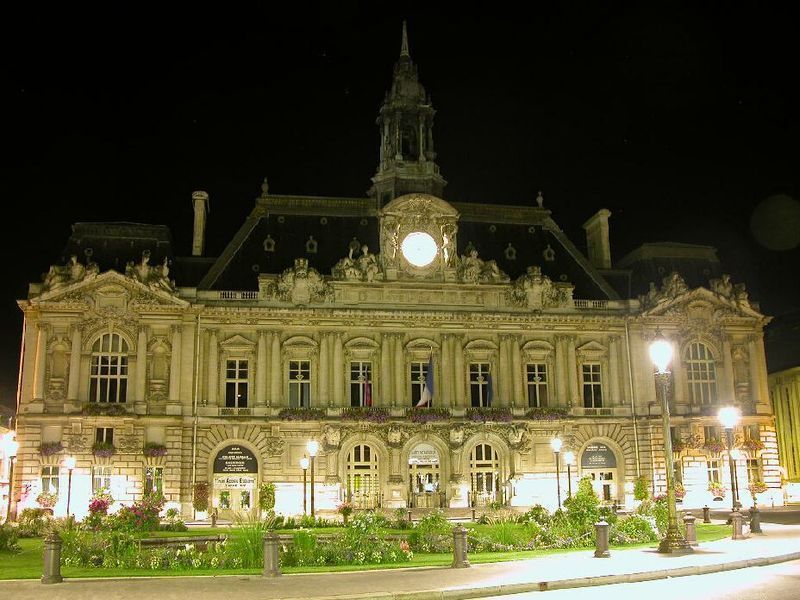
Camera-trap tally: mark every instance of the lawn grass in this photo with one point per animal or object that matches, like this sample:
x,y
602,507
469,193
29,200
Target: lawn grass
x,y
27,564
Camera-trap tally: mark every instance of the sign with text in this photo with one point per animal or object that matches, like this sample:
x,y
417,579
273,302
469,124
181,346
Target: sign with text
x,y
423,454
598,456
235,459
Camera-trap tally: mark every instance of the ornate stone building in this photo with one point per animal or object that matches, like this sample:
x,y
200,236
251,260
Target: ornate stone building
x,y
338,318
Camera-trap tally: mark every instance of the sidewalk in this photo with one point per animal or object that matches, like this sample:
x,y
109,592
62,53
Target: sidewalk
x,y
779,543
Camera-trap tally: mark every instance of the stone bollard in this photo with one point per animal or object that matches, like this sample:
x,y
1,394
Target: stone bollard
x,y
272,564
706,515
691,530
601,546
473,515
214,518
755,520
409,515
51,551
736,521
459,548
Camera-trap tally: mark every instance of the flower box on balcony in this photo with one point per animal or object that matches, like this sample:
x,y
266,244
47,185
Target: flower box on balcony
x,y
547,413
427,415
50,448
484,414
365,413
154,450
103,449
104,408
301,414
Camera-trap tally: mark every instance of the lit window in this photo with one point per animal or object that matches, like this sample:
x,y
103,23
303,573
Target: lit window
x,y
419,372
479,385
109,370
101,479
592,386
154,480
701,374
236,383
360,383
299,383
50,480
537,384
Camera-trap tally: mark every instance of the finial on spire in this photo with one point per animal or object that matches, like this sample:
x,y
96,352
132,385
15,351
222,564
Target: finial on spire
x,y
404,46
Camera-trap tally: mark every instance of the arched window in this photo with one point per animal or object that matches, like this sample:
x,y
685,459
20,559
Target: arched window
x,y
109,375
484,467
363,484
701,374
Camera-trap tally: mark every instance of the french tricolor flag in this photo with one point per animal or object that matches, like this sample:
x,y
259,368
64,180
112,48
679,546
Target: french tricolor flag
x,y
427,391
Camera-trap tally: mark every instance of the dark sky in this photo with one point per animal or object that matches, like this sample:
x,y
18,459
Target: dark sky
x,y
680,120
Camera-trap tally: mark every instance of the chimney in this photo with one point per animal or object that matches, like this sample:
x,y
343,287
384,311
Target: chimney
x,y
200,202
597,239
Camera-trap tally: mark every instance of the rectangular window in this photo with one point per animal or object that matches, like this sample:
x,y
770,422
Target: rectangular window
x,y
479,385
299,383
753,470
104,435
419,371
50,480
592,386
101,479
714,469
154,481
360,383
714,432
751,432
236,383
537,384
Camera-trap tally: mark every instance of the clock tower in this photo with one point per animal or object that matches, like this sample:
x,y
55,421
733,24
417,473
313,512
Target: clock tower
x,y
407,158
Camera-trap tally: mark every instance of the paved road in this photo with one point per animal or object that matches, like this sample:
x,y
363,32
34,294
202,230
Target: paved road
x,y
777,582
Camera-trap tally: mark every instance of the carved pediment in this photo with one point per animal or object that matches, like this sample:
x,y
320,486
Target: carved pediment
x,y
591,349
674,299
238,343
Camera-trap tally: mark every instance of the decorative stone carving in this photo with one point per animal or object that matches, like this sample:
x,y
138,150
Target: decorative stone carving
x,y
72,272
299,285
518,438
364,268
156,277
456,437
474,270
672,286
76,443
274,446
536,291
128,444
331,437
735,293
448,231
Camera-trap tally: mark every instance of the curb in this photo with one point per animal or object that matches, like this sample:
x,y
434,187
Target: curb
x,y
559,584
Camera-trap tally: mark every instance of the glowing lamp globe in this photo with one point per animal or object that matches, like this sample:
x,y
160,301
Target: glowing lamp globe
x,y
69,463
419,248
569,457
304,463
313,447
661,353
556,444
728,416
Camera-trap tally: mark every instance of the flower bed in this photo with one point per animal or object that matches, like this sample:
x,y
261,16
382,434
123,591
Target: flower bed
x,y
50,448
484,414
152,449
547,413
365,413
427,415
301,414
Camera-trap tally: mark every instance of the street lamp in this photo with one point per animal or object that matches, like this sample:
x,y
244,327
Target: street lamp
x,y
313,447
736,454
569,458
661,355
555,444
729,417
69,463
304,466
10,447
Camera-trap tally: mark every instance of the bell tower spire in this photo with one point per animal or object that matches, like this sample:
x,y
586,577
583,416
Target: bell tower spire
x,y
407,159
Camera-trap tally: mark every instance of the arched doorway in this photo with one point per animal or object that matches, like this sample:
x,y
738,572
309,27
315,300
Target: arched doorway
x,y
424,478
235,477
599,463
484,475
363,482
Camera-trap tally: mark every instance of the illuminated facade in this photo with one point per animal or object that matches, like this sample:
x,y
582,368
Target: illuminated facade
x,y
338,318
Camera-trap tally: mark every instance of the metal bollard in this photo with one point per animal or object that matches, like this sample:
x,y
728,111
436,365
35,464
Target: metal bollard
x,y
736,521
409,515
706,515
601,546
459,548
691,530
755,520
473,515
272,564
214,518
51,553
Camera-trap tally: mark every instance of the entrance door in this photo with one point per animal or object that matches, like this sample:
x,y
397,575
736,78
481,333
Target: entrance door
x,y
234,495
604,483
423,478
599,463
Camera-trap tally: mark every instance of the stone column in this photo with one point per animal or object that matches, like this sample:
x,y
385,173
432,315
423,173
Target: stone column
x,y
559,378
175,365
41,357
727,386
141,365
446,387
504,389
73,386
572,372
458,371
261,369
613,368
386,389
399,371
325,396
516,373
275,379
678,377
213,368
338,371
763,381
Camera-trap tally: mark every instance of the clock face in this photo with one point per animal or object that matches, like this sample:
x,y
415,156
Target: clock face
x,y
419,248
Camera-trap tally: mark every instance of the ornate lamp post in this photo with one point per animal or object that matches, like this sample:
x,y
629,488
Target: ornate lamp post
x,y
304,466
10,447
69,463
729,417
569,458
555,444
736,454
313,447
661,355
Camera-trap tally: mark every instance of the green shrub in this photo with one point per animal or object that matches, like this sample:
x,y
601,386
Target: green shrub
x,y
641,488
33,522
432,534
633,529
140,516
536,514
247,543
8,538
400,519
266,496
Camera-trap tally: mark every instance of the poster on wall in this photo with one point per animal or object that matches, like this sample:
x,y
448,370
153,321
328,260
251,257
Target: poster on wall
x,y
598,456
235,459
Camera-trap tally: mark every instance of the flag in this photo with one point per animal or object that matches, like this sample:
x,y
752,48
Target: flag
x,y
367,392
490,392
427,390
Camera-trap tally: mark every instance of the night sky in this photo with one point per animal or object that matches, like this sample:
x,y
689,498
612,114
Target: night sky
x,y
683,122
